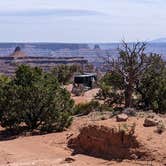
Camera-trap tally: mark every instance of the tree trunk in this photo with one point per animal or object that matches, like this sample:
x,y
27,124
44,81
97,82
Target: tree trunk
x,y
128,96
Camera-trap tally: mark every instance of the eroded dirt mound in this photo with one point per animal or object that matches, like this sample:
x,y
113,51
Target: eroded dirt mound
x,y
107,142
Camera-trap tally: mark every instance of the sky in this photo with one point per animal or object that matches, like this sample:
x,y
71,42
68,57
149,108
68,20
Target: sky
x,y
80,21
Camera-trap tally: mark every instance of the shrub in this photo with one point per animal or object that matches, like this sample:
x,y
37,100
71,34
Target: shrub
x,y
106,108
35,99
59,116
64,73
111,86
86,108
152,86
10,112
127,129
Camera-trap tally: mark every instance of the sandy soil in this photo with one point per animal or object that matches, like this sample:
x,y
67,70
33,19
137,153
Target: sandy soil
x,y
87,97
52,150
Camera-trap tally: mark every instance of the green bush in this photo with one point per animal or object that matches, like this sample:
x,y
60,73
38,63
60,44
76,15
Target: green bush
x,y
111,86
10,112
106,108
86,108
64,73
152,86
35,98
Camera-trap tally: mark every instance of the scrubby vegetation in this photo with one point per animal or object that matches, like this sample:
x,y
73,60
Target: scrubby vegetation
x,y
64,73
34,99
135,79
86,108
152,86
111,89
92,106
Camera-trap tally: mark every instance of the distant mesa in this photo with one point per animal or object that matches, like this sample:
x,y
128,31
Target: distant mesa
x,y
96,46
18,53
160,40
17,49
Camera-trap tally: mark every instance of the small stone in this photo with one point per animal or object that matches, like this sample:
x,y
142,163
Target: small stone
x,y
134,156
130,111
150,122
121,118
28,134
69,135
69,159
151,115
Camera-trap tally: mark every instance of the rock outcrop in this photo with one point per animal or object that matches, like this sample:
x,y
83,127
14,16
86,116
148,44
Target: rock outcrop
x,y
18,53
106,142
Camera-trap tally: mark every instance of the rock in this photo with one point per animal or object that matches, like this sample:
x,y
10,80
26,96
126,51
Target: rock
x,y
160,127
28,134
129,111
121,118
134,157
18,53
151,115
69,159
17,49
69,135
150,122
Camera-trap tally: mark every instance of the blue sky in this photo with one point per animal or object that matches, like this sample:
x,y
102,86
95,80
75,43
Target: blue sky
x,y
82,20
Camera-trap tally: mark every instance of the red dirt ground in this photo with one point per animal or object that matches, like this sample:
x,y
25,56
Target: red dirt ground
x,y
87,97
51,149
